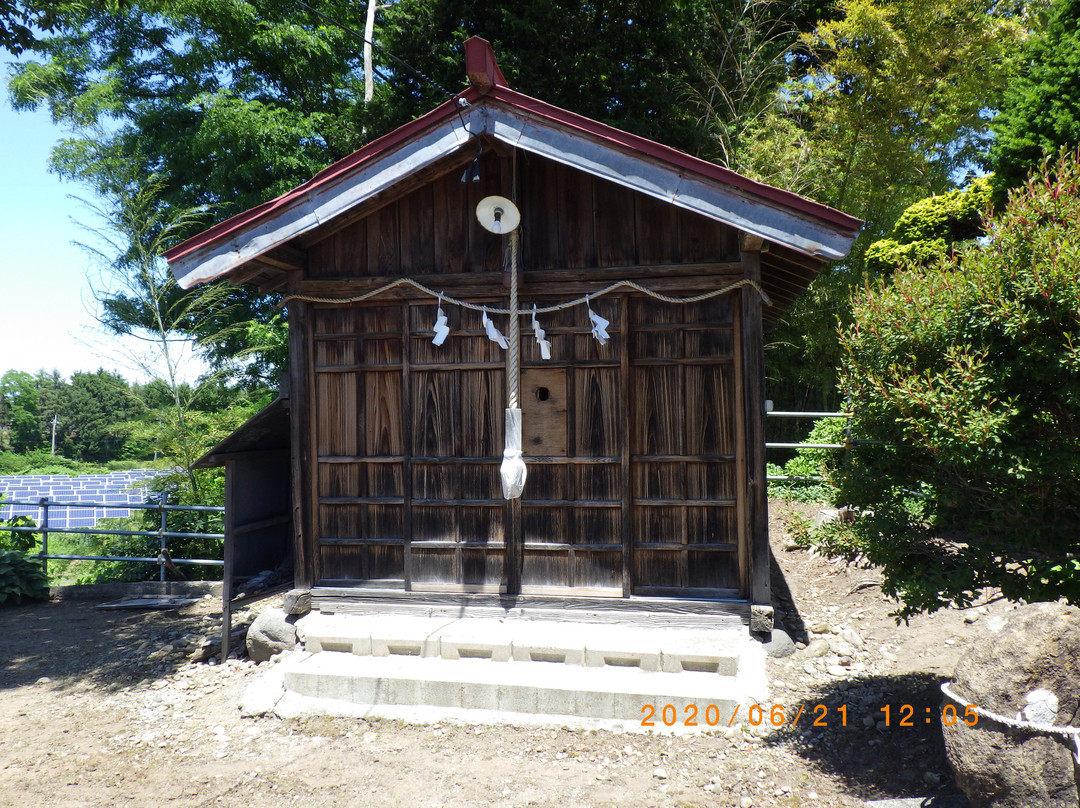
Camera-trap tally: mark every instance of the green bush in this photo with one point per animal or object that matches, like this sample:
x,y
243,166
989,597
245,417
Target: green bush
x,y
970,371
21,577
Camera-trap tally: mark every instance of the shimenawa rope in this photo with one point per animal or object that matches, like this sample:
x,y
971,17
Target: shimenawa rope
x,y
1013,723
540,309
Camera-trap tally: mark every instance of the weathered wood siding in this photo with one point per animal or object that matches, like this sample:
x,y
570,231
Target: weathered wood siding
x,y
632,446
569,220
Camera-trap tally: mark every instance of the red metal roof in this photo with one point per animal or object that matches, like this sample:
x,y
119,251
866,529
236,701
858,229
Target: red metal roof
x,y
498,93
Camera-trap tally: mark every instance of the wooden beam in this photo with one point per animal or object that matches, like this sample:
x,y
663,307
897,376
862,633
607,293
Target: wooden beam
x,y
751,243
250,270
300,382
751,339
285,256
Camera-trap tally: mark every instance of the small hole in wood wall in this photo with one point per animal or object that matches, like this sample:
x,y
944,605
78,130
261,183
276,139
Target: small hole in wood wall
x,y
543,394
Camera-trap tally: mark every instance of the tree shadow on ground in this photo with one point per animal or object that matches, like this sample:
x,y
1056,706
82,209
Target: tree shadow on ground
x,y
73,642
879,734
843,731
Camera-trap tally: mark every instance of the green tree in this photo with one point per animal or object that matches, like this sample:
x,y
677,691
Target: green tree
x,y
18,412
1041,111
140,298
930,228
969,371
226,105
895,105
97,404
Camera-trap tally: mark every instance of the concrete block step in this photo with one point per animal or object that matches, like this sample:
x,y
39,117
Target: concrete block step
x,y
671,650
628,694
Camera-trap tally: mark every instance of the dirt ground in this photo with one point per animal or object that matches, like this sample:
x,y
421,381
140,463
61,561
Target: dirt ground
x,y
104,708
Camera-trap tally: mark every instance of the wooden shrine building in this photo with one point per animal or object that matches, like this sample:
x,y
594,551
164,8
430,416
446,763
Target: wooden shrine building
x,y
645,452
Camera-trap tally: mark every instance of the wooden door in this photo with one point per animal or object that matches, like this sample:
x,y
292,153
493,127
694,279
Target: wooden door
x,y
630,446
573,431
684,424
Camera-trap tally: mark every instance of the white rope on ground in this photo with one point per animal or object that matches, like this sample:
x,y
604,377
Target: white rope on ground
x,y
1013,723
765,299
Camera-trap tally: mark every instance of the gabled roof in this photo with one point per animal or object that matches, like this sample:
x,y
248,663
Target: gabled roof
x,y
489,108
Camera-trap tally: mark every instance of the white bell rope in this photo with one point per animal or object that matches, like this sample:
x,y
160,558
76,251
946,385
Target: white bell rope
x,y
513,471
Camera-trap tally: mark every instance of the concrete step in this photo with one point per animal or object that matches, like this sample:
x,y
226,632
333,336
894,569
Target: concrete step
x,y
593,645
686,701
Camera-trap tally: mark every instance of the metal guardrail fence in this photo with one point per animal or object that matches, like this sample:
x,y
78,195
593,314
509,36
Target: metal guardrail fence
x,y
162,534
847,444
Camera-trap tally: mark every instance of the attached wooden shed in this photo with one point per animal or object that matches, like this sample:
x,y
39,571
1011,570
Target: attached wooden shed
x,y
645,454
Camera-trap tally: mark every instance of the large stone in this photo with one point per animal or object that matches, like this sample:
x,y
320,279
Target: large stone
x,y
779,644
1037,648
270,633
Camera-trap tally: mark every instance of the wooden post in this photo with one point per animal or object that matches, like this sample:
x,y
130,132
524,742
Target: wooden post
x,y
304,549
752,349
229,572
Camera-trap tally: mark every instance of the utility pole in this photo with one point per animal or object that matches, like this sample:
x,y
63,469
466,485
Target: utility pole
x,y
54,420
369,32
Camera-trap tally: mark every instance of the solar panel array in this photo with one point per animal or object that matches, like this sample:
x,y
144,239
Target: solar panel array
x,y
118,487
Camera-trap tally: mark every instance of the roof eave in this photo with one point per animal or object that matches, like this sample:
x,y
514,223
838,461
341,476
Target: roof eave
x,y
534,126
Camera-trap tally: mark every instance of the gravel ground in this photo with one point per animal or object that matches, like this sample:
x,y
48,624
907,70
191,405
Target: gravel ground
x,y
108,708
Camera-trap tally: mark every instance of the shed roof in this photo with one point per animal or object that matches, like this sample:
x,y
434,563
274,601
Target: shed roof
x,y
807,233
267,431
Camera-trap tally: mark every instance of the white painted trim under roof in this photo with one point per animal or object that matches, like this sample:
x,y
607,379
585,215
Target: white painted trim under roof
x,y
583,151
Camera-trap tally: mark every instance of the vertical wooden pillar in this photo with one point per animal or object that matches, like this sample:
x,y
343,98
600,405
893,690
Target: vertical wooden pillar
x,y
305,555
752,348
229,571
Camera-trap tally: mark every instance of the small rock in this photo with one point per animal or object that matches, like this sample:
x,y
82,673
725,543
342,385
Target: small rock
x,y
817,648
746,802
44,680
932,778
272,632
836,670
844,649
971,617
851,636
659,773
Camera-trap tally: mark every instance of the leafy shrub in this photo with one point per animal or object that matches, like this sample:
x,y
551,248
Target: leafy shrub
x,y
21,577
19,540
42,461
971,374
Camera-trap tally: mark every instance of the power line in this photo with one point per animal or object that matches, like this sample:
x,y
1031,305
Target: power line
x,y
380,48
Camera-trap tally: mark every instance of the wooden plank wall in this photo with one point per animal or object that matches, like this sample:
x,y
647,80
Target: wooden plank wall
x,y
569,220
643,466
633,482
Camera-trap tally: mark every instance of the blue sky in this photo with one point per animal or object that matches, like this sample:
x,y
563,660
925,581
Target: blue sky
x,y
46,302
